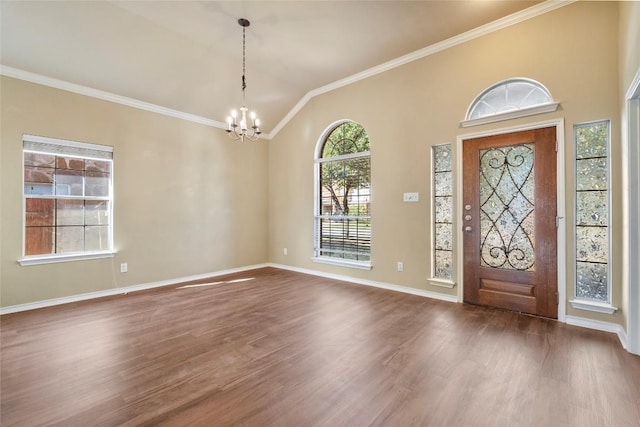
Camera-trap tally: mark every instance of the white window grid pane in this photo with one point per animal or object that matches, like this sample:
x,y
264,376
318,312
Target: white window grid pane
x,y
342,227
509,95
80,189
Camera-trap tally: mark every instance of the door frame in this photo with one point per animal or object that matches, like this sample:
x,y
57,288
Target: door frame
x,y
631,236
561,190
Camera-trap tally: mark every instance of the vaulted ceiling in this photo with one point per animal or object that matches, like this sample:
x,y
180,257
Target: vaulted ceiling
x,y
187,55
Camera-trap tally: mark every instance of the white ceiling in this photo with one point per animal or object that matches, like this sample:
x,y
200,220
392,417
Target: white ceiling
x,y
187,55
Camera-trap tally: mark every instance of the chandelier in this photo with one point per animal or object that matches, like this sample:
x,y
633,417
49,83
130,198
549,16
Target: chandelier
x,y
238,126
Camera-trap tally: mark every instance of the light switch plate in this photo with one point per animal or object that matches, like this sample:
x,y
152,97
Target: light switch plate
x,y
411,197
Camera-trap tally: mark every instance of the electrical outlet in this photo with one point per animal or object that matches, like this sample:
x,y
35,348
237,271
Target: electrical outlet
x,y
285,251
124,267
400,266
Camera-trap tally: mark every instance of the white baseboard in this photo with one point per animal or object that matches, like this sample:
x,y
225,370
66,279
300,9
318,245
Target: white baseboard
x,y
570,320
382,285
599,326
120,291
144,286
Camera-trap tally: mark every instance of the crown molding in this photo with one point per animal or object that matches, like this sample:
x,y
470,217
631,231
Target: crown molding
x,y
106,96
507,21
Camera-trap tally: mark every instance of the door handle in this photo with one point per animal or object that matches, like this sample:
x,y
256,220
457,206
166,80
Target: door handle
x,y
468,229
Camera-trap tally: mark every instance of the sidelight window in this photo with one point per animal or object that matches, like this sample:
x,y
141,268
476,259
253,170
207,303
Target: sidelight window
x,y
442,215
592,223
68,200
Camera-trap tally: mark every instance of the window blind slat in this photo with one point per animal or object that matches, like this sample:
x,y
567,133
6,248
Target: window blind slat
x,y
43,144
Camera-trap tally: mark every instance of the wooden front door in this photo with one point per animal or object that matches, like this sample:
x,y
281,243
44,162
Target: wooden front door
x,y
509,221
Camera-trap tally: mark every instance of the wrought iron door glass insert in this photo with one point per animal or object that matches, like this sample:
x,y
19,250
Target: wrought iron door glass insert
x,y
507,205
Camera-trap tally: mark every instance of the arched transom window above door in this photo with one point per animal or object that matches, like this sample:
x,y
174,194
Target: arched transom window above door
x,y
509,99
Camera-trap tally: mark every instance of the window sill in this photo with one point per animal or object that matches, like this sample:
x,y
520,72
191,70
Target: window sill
x,y
443,283
598,307
343,263
51,259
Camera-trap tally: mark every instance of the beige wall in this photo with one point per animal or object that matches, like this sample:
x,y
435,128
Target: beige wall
x,y
573,51
629,42
188,200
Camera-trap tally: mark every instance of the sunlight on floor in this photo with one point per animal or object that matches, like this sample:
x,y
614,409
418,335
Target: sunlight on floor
x,y
199,285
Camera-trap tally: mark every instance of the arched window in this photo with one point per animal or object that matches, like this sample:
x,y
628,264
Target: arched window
x,y
509,99
342,232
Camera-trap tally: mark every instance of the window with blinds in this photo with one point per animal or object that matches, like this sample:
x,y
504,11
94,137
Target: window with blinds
x,y
68,199
342,232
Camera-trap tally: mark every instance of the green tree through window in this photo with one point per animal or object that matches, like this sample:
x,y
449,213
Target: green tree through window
x,y
343,220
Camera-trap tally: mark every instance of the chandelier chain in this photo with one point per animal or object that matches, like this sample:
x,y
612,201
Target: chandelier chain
x,y
244,47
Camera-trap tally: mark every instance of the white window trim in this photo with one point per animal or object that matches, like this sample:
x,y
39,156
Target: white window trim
x,y
443,283
631,200
546,107
344,157
515,114
589,305
362,265
67,143
52,259
583,303
26,260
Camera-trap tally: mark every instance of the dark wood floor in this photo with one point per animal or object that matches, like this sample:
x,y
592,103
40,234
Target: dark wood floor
x,y
289,349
